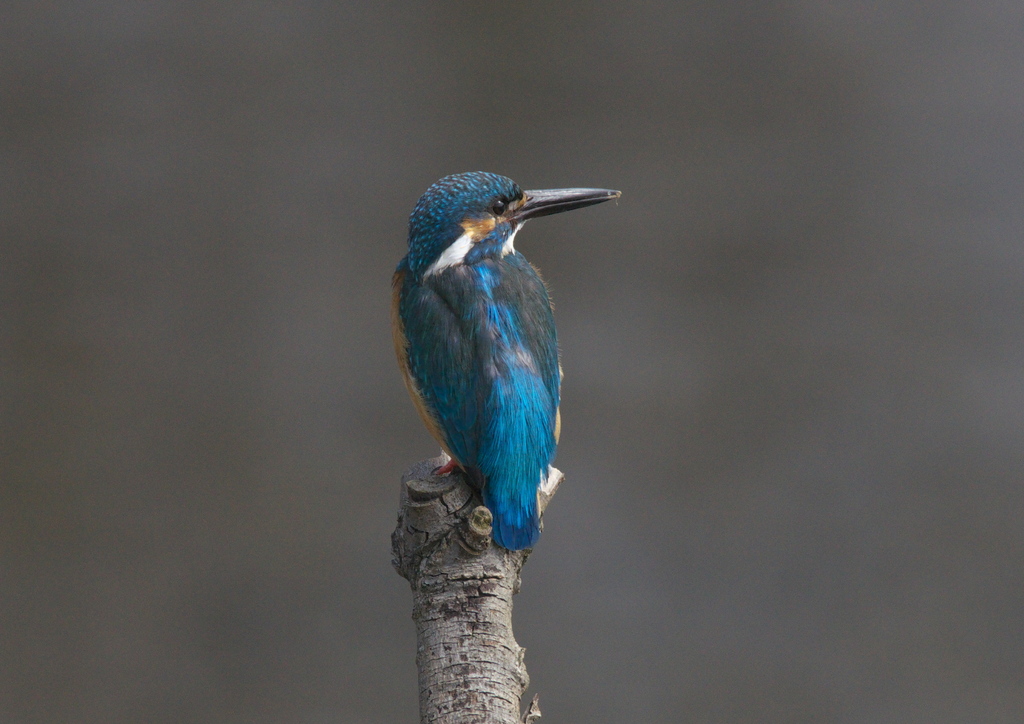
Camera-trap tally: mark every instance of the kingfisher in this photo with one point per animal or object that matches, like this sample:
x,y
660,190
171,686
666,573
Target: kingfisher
x,y
475,339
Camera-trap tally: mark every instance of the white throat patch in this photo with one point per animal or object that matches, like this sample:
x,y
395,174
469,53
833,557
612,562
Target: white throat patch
x,y
508,247
454,255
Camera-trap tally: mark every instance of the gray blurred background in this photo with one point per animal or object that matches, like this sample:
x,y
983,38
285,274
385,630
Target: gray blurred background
x,y
794,395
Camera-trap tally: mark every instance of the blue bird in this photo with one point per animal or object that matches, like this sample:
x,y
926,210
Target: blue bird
x,y
475,339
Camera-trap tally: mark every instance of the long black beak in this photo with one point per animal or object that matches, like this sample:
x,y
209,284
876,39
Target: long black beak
x,y
553,201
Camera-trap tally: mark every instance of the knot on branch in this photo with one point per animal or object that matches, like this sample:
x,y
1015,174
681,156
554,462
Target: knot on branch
x,y
435,513
475,532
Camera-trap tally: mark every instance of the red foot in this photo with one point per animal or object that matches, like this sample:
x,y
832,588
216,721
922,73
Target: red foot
x,y
447,468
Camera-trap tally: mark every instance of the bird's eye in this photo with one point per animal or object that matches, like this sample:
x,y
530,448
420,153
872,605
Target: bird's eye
x,y
498,207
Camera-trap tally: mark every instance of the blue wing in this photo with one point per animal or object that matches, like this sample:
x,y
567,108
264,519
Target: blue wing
x,y
426,407
438,350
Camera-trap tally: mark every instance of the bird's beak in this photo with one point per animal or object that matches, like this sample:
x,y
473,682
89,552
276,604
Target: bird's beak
x,y
552,201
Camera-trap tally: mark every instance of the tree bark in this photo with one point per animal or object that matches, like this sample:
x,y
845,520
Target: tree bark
x,y
470,667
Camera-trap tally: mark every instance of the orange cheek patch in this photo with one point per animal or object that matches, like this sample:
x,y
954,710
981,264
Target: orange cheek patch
x,y
478,228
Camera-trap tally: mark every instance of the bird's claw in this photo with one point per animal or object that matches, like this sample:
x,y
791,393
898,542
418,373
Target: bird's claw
x,y
447,468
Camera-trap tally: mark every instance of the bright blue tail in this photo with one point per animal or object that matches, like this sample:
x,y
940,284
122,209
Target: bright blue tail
x,y
516,521
517,448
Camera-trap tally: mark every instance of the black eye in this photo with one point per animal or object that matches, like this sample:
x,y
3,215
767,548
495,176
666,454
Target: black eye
x,y
498,207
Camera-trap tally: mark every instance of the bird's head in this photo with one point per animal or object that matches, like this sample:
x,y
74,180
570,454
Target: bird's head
x,y
467,217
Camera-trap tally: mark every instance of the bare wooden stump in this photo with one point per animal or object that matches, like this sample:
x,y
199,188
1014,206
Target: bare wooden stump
x,y
470,667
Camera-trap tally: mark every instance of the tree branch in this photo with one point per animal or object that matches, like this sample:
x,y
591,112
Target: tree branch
x,y
470,667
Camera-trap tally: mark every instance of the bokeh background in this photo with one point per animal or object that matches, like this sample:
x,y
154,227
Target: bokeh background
x,y
794,394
